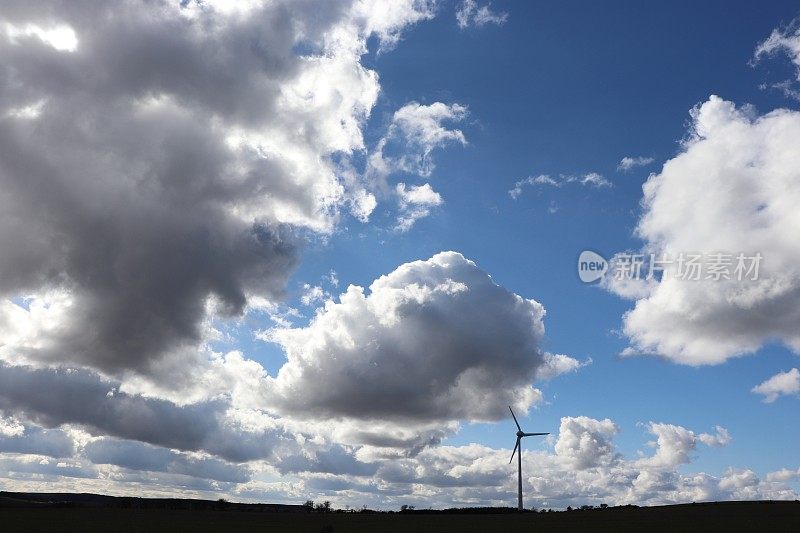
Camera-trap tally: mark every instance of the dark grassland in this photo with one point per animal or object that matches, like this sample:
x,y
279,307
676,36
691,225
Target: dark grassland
x,y
86,513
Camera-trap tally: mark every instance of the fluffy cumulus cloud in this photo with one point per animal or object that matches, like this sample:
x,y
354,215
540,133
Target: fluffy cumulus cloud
x,y
731,190
434,340
470,14
584,442
675,443
782,383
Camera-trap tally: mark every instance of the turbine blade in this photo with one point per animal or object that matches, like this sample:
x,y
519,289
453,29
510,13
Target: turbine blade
x,y
515,451
533,434
515,418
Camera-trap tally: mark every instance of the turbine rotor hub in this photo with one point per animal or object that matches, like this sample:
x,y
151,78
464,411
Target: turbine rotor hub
x,y
520,434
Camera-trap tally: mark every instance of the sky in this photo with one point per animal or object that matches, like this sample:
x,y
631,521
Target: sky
x,y
287,250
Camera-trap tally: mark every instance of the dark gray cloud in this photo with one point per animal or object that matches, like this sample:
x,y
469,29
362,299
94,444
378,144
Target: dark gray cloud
x,y
333,460
138,456
52,397
46,470
39,441
167,158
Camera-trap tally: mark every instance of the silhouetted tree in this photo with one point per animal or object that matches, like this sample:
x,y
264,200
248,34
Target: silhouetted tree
x,y
325,506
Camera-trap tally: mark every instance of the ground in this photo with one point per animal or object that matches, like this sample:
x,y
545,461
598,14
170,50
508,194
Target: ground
x,y
726,516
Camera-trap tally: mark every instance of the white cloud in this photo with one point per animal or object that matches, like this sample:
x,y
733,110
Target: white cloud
x,y
585,467
415,131
362,205
733,189
675,443
332,278
617,281
782,40
27,112
590,179
788,89
280,314
593,179
628,163
388,20
415,203
434,340
418,195
60,36
11,427
784,475
557,364
787,40
542,179
469,14
584,442
721,437
742,484
313,294
782,383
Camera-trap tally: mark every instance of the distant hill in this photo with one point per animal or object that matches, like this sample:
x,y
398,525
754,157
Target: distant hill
x,y
87,500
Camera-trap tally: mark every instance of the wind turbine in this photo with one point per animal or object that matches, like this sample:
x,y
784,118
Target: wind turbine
x,y
520,434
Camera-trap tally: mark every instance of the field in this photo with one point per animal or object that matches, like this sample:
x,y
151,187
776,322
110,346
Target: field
x,y
19,515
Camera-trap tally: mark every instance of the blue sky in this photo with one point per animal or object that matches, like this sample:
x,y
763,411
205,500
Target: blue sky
x,y
572,87
170,204
552,92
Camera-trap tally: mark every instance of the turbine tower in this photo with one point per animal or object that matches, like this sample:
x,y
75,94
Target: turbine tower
x,y
520,434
